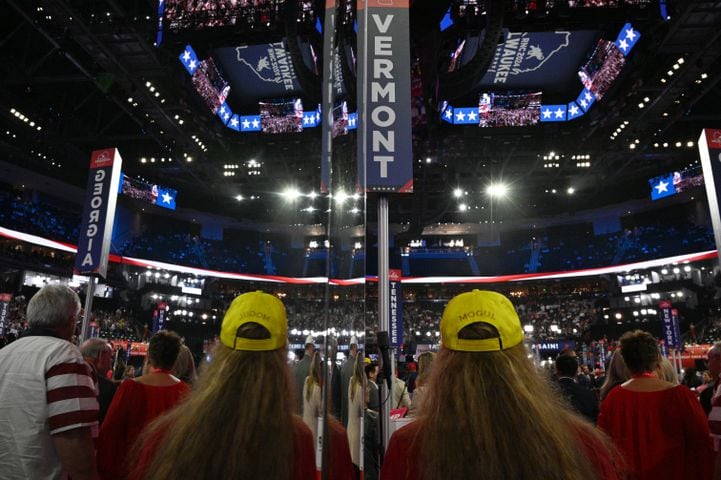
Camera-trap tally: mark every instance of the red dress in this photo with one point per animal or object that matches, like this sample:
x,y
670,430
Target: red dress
x,y
661,435
401,461
133,407
340,464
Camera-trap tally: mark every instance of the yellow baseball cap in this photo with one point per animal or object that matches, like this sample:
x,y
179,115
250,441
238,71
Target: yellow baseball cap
x,y
480,306
256,307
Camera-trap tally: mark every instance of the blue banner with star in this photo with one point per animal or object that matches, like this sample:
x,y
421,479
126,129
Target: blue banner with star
x,y
553,113
662,187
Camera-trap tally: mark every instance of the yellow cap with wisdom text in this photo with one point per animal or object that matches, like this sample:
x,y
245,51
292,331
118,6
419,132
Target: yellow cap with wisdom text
x,y
484,307
255,307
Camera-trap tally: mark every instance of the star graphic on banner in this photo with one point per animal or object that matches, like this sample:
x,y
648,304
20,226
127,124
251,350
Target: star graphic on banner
x,y
256,123
448,114
186,56
192,65
307,120
460,116
226,117
222,110
472,116
317,116
234,122
246,124
588,96
351,122
559,113
584,103
546,113
630,34
623,45
167,198
661,187
573,110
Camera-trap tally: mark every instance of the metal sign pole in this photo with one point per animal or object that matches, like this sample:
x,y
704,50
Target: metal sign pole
x,y
383,305
89,292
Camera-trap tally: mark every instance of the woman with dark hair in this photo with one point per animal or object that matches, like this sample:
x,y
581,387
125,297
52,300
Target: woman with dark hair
x,y
485,398
137,402
238,422
659,427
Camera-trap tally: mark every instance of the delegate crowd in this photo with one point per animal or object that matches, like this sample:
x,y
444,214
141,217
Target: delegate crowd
x,y
474,403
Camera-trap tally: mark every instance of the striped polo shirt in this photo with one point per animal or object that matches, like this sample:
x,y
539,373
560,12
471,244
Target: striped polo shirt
x,y
45,388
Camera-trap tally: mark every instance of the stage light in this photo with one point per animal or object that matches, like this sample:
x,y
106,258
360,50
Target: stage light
x,y
458,193
570,190
291,193
497,190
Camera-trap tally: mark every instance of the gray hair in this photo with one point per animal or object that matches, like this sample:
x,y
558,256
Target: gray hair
x,y
92,347
714,350
52,306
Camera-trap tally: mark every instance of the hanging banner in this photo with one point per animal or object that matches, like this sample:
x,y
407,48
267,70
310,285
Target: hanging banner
x,y
159,317
5,299
669,331
676,328
709,147
396,308
98,213
385,152
328,95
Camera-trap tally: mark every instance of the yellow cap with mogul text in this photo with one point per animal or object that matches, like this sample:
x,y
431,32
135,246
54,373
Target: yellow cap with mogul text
x,y
256,307
480,306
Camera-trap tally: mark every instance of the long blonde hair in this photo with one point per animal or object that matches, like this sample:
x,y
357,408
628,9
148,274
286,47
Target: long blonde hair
x,y
425,361
477,407
616,374
237,423
313,377
358,379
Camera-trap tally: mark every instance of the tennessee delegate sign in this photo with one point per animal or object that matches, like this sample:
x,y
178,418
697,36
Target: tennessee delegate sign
x,y
384,96
96,227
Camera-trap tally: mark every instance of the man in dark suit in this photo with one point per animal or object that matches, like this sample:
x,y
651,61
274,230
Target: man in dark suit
x,y
581,399
374,396
714,370
99,355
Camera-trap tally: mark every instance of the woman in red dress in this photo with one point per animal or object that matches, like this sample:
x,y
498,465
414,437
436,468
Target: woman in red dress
x,y
487,413
659,427
238,422
136,403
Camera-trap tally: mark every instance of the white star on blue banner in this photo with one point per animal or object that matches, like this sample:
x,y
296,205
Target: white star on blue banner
x,y
627,38
553,113
309,119
585,99
662,187
166,198
234,123
352,121
465,116
250,123
225,113
574,111
447,115
189,59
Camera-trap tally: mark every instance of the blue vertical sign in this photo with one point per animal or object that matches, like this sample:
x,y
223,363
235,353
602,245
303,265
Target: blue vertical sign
x,y
4,310
385,153
669,331
396,307
328,95
676,328
96,225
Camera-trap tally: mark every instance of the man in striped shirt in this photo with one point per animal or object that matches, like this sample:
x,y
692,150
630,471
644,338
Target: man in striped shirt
x,y
48,405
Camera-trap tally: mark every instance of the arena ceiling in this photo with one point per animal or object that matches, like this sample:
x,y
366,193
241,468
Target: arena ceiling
x,y
83,70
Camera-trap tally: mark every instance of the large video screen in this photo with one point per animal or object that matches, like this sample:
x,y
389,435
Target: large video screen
x,y
602,68
509,109
148,192
210,84
676,182
340,118
281,116
199,14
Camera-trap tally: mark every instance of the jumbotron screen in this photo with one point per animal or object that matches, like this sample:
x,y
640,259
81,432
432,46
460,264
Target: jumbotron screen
x,y
199,14
509,109
676,182
602,68
210,84
148,192
281,116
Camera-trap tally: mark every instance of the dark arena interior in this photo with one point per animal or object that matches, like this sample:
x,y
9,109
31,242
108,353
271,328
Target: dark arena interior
x,y
559,152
